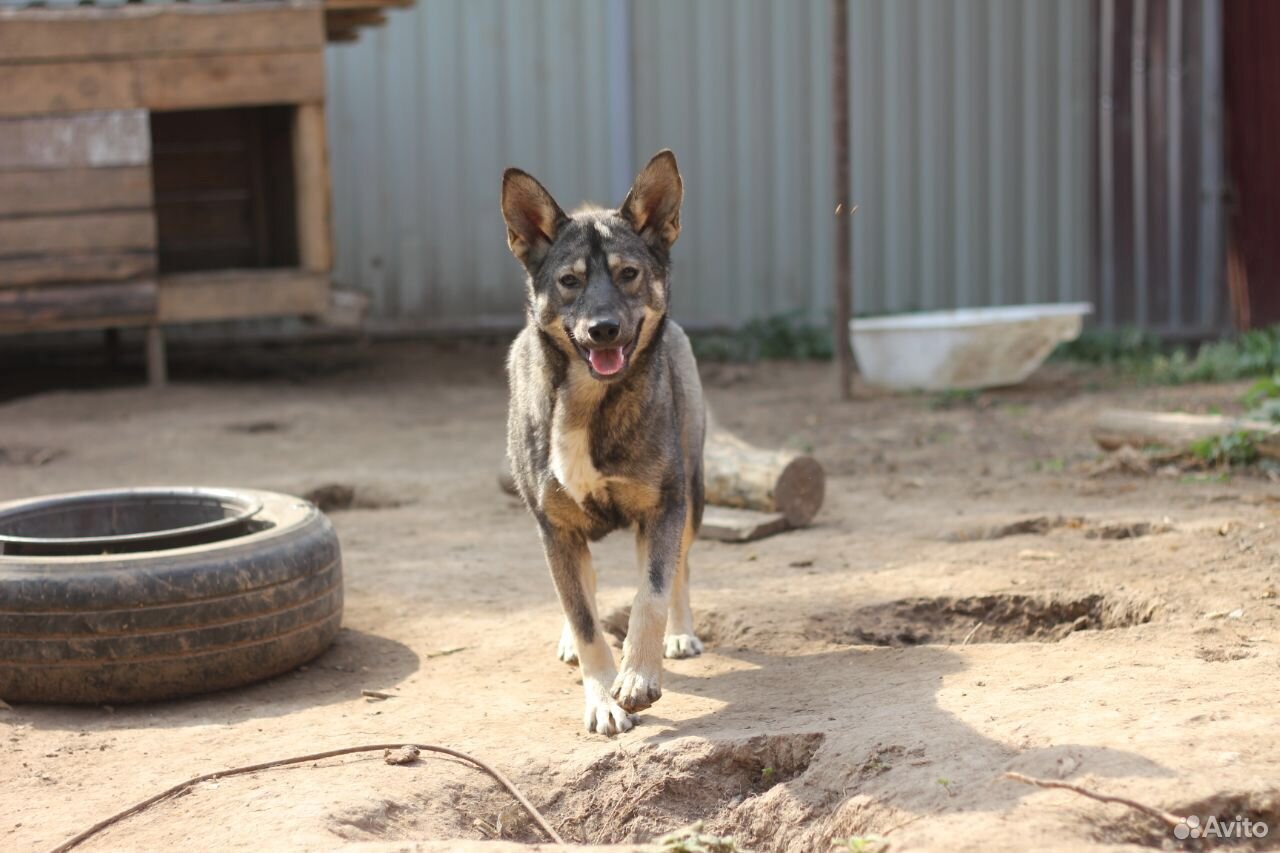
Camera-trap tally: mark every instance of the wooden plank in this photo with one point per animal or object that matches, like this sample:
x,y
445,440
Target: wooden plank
x,y
350,18
158,30
238,294
66,87
331,6
77,306
1177,431
78,232
35,191
725,524
76,267
93,140
241,79
311,189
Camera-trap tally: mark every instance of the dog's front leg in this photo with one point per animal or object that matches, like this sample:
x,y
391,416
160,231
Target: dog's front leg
x,y
570,561
639,684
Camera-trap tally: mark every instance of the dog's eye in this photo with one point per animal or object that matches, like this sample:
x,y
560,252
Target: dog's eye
x,y
628,274
569,280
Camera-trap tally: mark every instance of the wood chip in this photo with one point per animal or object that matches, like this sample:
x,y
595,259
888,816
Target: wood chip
x,y
404,755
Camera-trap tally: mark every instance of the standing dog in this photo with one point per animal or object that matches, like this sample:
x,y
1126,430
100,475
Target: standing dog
x,y
606,424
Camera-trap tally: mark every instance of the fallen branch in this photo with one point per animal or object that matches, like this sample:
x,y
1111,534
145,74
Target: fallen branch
x,y
302,759
1166,817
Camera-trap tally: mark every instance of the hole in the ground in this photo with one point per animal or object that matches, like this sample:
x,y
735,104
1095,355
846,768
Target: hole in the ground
x,y
1240,821
336,497
439,808
29,455
258,427
711,626
642,795
1041,525
1000,618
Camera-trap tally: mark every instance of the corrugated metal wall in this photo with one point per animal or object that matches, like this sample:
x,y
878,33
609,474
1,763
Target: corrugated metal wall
x,y
974,147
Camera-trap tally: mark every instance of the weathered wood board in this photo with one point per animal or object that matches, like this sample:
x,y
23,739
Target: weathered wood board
x,y
93,140
26,235
726,524
231,80
26,192
59,267
73,306
164,83
157,30
236,294
311,186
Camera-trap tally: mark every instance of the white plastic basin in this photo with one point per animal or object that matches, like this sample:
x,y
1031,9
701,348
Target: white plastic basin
x,y
963,349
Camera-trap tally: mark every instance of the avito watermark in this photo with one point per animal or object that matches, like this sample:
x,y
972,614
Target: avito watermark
x,y
1218,828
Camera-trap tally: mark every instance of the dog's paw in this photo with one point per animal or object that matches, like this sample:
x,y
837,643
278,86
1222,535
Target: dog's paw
x,y
636,691
681,646
604,716
567,651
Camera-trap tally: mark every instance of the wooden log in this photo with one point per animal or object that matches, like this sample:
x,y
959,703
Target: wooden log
x,y
742,475
1115,428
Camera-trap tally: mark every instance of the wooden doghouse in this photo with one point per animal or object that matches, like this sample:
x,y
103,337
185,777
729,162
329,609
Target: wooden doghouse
x,y
165,163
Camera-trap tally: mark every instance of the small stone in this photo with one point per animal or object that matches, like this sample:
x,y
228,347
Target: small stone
x,y
404,755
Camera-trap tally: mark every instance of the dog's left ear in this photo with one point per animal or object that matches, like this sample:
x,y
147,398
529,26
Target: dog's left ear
x,y
653,204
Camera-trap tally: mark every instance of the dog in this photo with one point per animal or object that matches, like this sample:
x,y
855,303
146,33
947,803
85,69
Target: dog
x,y
606,423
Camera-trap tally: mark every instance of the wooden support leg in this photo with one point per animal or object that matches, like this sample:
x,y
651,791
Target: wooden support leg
x,y
157,369
111,345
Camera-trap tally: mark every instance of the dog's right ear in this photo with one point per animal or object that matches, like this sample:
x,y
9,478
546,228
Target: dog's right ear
x,y
533,218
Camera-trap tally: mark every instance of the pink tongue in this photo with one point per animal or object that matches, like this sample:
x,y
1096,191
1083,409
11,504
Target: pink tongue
x,y
606,362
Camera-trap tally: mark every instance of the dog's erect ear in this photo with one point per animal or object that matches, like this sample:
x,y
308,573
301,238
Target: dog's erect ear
x,y
653,204
533,218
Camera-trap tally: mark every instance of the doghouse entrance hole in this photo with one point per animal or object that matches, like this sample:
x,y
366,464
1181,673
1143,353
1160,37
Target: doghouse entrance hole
x,y
224,189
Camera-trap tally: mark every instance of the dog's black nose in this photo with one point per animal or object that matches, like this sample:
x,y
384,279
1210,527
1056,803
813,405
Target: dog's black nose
x,y
603,331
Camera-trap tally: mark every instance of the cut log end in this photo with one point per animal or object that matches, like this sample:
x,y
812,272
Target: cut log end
x,y
800,490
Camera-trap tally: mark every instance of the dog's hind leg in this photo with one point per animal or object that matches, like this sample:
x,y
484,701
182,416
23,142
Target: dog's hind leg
x,y
570,562
658,546
681,641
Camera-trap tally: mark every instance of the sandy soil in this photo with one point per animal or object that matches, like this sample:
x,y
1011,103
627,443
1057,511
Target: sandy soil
x,y
838,697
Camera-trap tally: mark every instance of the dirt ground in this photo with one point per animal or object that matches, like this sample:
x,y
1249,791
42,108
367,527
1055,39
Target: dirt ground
x,y
969,602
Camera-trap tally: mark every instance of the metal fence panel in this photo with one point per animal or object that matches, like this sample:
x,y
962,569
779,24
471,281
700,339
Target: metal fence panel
x,y
977,129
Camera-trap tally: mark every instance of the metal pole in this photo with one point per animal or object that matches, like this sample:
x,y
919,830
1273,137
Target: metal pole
x,y
843,282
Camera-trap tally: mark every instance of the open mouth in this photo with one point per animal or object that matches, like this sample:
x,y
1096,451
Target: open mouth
x,y
608,361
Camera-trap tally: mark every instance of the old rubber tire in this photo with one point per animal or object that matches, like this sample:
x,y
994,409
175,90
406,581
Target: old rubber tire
x,y
162,624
